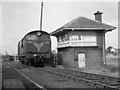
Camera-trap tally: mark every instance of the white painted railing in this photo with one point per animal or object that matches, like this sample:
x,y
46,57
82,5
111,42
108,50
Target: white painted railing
x,y
76,44
64,44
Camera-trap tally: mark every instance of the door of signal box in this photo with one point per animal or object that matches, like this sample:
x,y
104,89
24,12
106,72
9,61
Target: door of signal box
x,y
81,60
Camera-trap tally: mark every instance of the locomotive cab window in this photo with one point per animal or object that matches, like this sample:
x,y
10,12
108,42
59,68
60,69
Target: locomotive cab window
x,y
31,37
45,37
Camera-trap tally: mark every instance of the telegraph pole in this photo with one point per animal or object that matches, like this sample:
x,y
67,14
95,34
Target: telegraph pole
x,y
41,16
6,53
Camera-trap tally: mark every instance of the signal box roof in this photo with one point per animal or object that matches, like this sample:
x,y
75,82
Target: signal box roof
x,y
83,23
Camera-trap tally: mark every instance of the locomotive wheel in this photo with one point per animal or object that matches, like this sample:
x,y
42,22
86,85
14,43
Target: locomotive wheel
x,y
42,64
22,62
25,63
29,63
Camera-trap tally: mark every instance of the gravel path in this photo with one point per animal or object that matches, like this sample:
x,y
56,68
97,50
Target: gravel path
x,y
9,73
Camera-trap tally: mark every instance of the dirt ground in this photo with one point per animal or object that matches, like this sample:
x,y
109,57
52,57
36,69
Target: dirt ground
x,y
111,68
112,60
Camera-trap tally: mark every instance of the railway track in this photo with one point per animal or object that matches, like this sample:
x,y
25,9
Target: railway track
x,y
93,80
48,80
31,81
96,81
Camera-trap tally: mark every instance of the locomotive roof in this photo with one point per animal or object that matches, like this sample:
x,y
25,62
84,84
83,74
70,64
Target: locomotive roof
x,y
34,32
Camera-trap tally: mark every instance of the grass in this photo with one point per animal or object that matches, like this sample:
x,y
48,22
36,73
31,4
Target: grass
x,y
112,63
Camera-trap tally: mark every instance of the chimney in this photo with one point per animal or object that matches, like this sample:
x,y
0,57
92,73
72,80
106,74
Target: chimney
x,y
98,16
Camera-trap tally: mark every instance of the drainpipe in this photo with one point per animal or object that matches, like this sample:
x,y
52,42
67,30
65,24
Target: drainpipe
x,y
104,49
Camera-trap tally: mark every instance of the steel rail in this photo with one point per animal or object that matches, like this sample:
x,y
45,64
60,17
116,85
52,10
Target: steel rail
x,y
112,81
39,86
88,82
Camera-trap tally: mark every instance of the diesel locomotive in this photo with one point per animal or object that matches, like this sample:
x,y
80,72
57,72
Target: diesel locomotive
x,y
35,49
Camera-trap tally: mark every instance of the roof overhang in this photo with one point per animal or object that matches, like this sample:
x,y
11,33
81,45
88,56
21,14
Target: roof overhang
x,y
54,33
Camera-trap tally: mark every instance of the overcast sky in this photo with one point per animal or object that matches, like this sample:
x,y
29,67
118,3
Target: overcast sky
x,y
18,18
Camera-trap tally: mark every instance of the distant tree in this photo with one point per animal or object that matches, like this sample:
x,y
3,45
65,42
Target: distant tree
x,y
119,51
109,49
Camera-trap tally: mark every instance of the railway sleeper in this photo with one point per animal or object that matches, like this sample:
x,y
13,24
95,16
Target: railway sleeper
x,y
99,86
74,78
77,79
118,84
83,81
91,84
104,86
96,85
